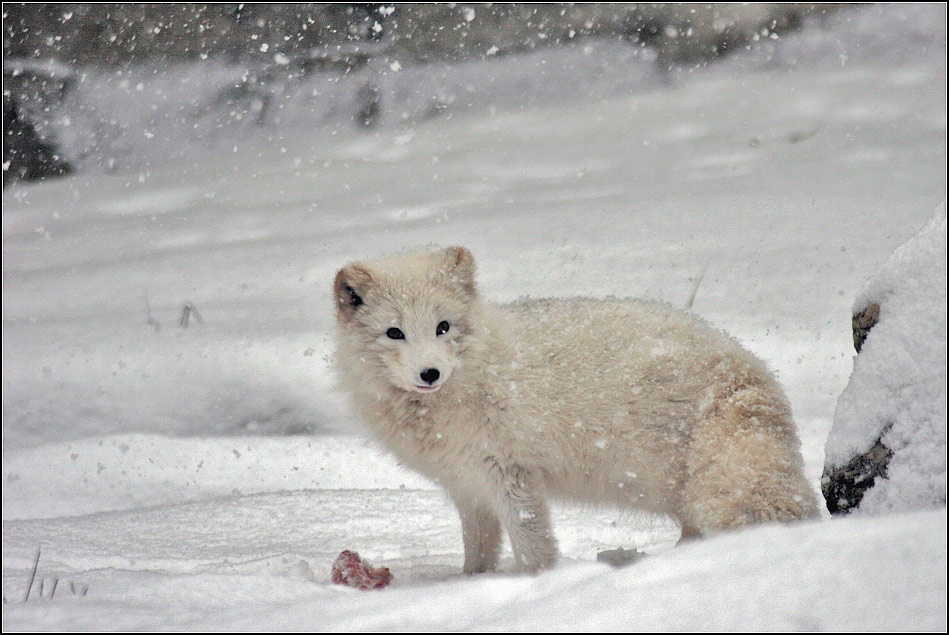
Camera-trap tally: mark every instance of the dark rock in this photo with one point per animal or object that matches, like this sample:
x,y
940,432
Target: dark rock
x,y
619,557
862,322
29,88
25,155
844,487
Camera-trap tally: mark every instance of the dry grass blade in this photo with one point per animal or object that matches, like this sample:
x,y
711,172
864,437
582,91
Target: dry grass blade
x,y
695,288
36,564
186,312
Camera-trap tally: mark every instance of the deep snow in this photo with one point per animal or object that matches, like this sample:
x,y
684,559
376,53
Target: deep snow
x,y
813,577
205,477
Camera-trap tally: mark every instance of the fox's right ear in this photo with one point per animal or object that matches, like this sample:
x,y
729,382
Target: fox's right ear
x,y
348,289
461,266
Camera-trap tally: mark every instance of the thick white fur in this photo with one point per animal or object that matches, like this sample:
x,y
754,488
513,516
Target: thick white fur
x,y
612,401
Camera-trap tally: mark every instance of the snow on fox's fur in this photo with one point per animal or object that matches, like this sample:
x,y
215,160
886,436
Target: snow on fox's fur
x,y
620,402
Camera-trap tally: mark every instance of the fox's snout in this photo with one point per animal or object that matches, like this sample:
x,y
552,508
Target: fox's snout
x,y
430,375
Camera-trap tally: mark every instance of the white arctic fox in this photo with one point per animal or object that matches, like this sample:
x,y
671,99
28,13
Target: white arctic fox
x,y
621,402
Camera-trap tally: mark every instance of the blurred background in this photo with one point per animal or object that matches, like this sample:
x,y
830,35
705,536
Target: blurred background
x,y
182,181
108,86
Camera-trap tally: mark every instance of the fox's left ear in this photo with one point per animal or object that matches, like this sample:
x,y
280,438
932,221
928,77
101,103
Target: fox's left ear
x,y
461,267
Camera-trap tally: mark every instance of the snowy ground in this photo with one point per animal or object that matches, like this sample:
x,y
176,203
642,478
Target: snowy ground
x,y
205,477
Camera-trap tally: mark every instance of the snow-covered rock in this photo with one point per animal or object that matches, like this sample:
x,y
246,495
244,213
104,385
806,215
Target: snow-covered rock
x,y
887,448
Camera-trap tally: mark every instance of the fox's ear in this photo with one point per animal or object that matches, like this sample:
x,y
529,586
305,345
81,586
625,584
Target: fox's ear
x,y
348,289
461,267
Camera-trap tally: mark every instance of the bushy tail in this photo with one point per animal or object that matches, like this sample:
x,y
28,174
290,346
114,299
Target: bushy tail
x,y
745,464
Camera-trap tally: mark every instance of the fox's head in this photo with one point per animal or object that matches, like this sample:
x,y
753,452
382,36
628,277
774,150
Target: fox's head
x,y
408,317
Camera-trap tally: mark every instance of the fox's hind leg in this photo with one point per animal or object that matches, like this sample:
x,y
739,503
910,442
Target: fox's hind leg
x,y
481,532
744,464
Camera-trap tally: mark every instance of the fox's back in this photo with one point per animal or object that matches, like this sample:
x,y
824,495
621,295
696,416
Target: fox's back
x,y
617,382
608,350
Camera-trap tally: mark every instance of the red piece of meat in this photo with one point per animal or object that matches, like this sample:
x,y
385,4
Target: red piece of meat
x,y
349,569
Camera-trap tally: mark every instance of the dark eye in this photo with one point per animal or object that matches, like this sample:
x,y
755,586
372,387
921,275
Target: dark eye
x,y
395,334
442,328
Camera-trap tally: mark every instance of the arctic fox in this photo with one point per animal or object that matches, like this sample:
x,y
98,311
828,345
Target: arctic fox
x,y
612,401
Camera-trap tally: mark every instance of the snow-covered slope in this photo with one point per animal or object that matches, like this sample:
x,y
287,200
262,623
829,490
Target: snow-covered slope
x,y
205,477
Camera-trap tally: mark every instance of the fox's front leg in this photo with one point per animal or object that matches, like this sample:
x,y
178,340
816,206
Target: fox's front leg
x,y
524,514
481,532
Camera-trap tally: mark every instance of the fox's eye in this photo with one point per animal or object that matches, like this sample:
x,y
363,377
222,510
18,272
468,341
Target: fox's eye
x,y
395,334
442,328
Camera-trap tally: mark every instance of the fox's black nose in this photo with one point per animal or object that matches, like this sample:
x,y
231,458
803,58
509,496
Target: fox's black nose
x,y
430,375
